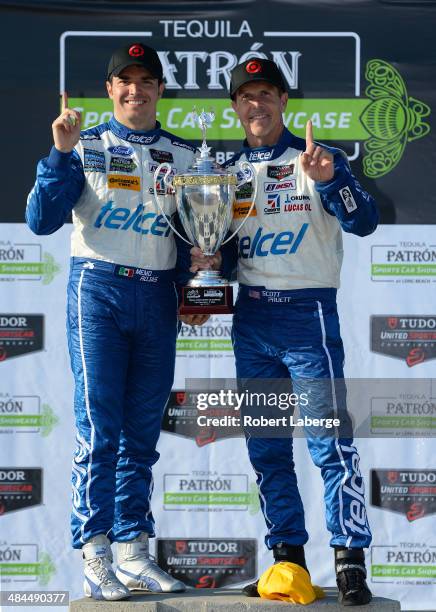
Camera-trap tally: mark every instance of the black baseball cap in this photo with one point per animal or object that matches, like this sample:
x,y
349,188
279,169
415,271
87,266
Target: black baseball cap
x,y
256,69
135,54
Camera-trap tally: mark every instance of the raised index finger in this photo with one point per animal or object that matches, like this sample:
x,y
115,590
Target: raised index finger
x,y
309,134
64,101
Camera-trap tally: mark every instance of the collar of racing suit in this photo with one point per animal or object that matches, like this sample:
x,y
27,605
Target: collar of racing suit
x,y
259,154
137,136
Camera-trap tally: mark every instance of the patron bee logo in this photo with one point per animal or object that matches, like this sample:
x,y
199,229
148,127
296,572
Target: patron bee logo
x,y
209,561
408,492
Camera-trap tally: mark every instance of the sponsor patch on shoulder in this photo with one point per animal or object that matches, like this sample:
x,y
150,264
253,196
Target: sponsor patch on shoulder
x,y
347,198
93,161
121,181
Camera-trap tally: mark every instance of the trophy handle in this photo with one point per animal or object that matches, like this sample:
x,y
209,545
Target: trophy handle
x,y
168,183
245,165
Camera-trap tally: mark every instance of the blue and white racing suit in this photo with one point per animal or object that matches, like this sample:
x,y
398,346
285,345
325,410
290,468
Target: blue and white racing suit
x,y
286,325
121,314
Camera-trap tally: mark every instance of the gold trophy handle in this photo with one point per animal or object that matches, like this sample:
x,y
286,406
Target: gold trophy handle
x,y
242,166
168,183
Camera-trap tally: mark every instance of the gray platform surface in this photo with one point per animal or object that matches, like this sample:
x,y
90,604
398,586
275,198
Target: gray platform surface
x,y
223,600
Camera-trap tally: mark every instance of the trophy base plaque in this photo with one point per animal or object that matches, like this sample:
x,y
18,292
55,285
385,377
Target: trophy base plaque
x,y
207,300
207,293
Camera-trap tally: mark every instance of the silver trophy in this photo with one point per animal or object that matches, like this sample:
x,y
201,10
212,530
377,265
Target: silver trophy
x,y
205,194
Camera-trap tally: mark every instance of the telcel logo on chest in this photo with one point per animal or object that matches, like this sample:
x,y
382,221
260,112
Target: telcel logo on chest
x,y
271,243
124,219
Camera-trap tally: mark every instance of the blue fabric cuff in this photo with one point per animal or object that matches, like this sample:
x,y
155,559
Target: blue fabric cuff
x,y
59,160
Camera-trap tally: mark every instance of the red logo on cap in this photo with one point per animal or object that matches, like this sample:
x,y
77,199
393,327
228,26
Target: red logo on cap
x,y
136,51
253,67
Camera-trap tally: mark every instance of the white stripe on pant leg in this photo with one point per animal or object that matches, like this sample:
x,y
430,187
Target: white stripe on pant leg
x,y
270,525
88,411
335,407
150,493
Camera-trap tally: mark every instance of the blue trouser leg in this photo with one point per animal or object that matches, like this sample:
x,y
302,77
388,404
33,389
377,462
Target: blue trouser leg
x,y
318,364
304,338
149,382
98,404
122,345
272,459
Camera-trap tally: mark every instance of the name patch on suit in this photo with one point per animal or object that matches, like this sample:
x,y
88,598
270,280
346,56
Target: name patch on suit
x,y
347,198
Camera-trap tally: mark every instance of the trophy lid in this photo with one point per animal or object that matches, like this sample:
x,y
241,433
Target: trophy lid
x,y
205,170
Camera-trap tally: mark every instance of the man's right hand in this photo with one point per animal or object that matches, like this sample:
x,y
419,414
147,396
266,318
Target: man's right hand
x,y
66,128
204,262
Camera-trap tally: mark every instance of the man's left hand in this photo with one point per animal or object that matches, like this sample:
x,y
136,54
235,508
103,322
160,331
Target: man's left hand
x,y
316,162
194,319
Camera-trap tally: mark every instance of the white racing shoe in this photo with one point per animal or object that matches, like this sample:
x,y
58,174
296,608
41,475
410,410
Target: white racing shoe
x,y
140,572
100,580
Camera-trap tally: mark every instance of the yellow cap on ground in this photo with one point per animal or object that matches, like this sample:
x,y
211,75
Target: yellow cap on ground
x,y
288,582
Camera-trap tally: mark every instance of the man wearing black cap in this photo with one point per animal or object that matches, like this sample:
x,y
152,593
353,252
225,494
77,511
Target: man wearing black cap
x,y
122,314
286,321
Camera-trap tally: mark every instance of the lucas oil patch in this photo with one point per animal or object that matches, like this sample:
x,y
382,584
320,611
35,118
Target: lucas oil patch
x,y
123,181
